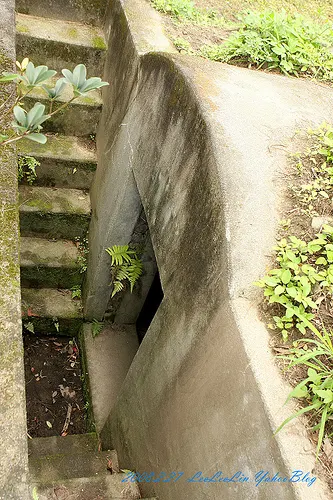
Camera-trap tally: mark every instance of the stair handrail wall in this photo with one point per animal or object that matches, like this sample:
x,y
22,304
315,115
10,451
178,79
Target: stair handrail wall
x,y
13,442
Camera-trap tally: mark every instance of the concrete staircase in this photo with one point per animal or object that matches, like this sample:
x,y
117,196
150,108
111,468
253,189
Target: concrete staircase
x,y
72,468
54,212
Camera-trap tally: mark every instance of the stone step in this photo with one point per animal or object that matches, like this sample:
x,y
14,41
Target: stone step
x,y
53,212
83,11
60,44
89,488
51,312
48,468
80,118
107,356
55,445
64,161
49,264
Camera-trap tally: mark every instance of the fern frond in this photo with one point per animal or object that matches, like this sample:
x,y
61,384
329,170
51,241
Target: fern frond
x,y
135,270
117,287
122,273
120,254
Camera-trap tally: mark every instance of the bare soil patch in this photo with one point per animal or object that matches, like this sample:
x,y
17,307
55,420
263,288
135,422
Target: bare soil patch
x,y
53,387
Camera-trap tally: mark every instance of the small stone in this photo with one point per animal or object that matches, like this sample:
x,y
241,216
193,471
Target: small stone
x,y
318,222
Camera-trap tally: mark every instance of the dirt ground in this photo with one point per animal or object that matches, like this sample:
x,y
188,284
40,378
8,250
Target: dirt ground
x,y
198,35
53,387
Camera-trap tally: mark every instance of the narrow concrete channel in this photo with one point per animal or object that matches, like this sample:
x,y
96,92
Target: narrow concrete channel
x,y
64,451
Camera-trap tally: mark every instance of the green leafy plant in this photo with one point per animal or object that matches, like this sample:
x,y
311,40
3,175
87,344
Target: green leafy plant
x,y
303,276
35,494
28,123
76,292
317,388
183,46
277,40
78,79
125,267
96,327
185,10
83,248
27,168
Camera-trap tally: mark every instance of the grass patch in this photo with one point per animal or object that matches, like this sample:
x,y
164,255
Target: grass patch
x,y
186,11
278,41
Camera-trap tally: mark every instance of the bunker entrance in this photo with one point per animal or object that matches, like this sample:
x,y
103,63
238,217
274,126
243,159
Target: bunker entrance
x,y
150,306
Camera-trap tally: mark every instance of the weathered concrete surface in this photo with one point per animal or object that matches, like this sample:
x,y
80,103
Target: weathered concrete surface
x,y
84,11
64,161
204,160
51,264
54,212
125,34
203,392
13,445
89,488
60,44
108,358
52,311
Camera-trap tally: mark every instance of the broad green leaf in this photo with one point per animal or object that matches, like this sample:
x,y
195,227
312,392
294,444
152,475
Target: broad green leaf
x,y
279,289
40,138
286,276
20,115
9,77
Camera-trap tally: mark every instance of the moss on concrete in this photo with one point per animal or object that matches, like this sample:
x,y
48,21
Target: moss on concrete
x,y
49,277
21,28
99,43
72,33
66,226
43,205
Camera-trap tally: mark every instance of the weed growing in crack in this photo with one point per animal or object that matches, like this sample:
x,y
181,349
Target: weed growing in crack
x,y
126,267
27,168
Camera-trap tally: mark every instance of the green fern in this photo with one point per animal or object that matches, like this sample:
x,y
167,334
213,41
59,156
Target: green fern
x,y
118,286
120,254
125,266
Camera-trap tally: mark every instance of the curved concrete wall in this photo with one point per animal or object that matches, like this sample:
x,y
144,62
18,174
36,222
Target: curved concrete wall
x,y
200,144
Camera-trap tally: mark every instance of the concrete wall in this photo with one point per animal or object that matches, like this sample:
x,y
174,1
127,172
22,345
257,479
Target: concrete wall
x,y
201,143
13,441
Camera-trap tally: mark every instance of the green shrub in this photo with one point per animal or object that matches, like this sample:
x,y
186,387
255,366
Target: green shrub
x,y
277,40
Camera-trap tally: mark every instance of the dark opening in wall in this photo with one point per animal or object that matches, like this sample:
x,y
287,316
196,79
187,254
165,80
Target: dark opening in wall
x,y
150,306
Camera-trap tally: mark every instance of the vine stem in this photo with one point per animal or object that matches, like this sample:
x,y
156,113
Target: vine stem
x,y
62,107
8,141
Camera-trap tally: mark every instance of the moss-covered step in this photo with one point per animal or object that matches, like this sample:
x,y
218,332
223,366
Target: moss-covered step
x,y
67,445
51,312
50,264
60,44
108,487
53,212
65,161
84,11
79,118
45,468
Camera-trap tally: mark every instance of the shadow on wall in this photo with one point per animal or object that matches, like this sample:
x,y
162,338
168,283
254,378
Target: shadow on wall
x,y
149,309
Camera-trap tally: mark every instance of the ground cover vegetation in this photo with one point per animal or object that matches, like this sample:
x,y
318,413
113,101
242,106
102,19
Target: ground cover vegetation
x,y
298,286
272,39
